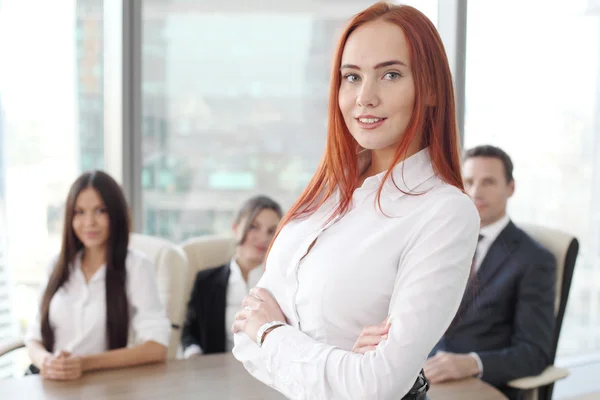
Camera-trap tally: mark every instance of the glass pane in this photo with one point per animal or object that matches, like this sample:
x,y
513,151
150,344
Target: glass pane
x,y
234,104
533,92
51,128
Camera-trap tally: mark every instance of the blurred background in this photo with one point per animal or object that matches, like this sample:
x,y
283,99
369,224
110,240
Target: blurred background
x,y
195,106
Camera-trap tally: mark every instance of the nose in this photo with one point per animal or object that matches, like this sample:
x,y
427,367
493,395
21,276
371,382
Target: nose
x,y
367,95
475,191
90,219
265,237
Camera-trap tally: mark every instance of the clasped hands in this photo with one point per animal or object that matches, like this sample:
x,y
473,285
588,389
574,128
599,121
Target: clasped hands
x,y
62,366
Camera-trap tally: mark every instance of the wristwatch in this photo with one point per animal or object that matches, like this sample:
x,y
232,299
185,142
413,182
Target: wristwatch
x,y
260,334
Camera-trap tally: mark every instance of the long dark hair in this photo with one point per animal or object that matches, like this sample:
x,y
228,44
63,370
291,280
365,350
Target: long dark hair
x,y
117,309
251,208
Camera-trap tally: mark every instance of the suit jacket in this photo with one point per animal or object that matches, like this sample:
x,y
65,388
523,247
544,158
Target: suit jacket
x,y
507,313
205,317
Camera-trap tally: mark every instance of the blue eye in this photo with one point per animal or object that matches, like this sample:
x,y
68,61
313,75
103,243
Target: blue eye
x,y
351,78
391,76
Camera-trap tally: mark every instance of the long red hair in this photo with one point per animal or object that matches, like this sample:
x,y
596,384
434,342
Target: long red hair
x,y
433,120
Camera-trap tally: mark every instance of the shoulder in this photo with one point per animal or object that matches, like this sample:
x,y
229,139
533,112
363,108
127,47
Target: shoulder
x,y
532,250
444,201
138,263
211,274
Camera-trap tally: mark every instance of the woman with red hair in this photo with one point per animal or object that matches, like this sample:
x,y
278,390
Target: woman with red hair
x,y
383,228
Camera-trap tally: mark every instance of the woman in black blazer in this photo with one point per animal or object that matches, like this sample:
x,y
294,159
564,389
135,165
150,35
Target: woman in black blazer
x,y
218,292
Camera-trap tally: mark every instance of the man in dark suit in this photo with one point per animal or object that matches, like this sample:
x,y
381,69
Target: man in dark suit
x,y
505,323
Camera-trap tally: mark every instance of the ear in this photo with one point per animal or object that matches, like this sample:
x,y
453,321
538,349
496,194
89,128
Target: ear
x,y
511,188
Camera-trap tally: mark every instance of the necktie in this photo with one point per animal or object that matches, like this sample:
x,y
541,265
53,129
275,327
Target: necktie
x,y
473,270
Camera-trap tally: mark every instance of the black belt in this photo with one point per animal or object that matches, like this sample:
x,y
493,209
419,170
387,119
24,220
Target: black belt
x,y
419,389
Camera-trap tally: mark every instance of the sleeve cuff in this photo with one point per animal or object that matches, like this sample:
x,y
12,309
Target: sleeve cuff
x,y
192,350
158,332
479,364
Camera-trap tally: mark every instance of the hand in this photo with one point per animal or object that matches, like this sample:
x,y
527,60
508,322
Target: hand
x,y
450,366
260,307
371,336
62,366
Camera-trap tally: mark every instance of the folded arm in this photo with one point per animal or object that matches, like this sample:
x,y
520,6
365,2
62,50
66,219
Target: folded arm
x,y
431,279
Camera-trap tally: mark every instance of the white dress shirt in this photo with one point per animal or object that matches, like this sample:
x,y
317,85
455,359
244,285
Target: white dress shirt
x,y
78,309
411,263
237,290
489,234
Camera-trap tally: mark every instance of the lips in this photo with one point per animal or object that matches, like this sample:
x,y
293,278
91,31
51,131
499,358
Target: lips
x,y
369,121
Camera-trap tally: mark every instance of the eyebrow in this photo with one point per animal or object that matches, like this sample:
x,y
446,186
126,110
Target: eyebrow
x,y
380,65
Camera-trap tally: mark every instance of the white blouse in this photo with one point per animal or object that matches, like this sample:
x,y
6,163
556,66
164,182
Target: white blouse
x,y
412,263
78,309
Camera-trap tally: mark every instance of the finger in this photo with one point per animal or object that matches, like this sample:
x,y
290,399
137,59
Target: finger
x,y
62,354
244,313
374,330
238,325
365,349
436,374
261,293
72,365
251,301
438,377
72,375
371,340
434,363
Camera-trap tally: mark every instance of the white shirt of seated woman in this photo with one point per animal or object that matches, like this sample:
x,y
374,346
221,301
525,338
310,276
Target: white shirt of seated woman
x,y
96,291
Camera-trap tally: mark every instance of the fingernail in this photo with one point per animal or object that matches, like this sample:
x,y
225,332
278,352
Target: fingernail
x,y
389,321
384,337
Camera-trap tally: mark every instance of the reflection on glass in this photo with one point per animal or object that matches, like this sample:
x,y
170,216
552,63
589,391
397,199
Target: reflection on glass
x,y
234,103
532,92
51,108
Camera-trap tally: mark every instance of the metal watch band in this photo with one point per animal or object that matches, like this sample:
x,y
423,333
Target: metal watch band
x,y
260,334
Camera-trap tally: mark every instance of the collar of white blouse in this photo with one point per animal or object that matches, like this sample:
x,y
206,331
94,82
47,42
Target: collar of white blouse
x,y
408,176
76,268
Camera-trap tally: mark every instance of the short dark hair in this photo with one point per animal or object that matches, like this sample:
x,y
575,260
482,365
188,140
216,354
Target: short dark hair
x,y
493,152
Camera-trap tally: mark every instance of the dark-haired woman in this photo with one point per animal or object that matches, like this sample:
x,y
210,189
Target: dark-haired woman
x,y
97,291
218,292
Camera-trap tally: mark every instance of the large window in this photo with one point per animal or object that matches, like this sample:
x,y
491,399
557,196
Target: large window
x,y
532,89
51,128
234,103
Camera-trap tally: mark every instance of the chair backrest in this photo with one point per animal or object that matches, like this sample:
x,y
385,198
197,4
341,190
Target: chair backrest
x,y
172,274
565,248
205,252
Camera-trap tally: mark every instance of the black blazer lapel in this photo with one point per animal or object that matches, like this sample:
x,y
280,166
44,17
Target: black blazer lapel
x,y
505,244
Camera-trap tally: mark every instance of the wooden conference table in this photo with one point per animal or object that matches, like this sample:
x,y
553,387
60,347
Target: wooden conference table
x,y
209,377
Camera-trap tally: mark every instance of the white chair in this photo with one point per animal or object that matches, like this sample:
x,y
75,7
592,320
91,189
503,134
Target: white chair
x,y
205,252
172,274
565,248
